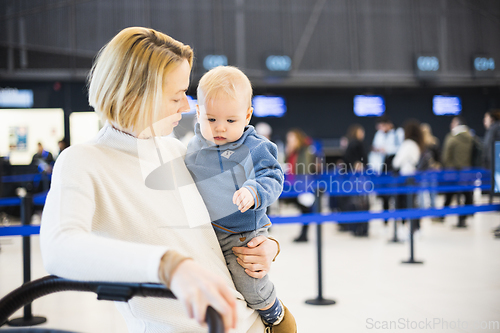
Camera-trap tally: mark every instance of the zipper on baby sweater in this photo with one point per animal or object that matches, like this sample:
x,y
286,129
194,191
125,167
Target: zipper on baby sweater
x,y
222,169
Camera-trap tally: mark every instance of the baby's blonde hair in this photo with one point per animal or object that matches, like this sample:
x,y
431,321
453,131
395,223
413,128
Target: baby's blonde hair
x,y
127,78
227,81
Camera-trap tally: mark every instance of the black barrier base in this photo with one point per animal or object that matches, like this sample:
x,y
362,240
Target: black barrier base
x,y
411,261
32,321
395,240
320,301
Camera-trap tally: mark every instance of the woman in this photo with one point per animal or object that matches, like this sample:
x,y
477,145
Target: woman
x,y
355,155
406,161
429,161
109,216
355,159
300,160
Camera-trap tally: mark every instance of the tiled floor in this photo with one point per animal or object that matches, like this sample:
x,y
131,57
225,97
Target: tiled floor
x,y
457,289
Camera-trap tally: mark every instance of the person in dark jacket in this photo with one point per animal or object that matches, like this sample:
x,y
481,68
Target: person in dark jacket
x,y
457,151
355,153
492,126
43,159
355,158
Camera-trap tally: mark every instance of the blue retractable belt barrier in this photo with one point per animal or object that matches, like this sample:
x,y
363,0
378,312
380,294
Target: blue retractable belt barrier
x,y
14,201
22,178
347,217
20,230
39,199
342,217
387,190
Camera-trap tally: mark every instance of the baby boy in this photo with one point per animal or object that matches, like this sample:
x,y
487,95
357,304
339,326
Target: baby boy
x,y
238,176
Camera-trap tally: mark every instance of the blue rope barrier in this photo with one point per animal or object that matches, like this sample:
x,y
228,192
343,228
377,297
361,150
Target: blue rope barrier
x,y
386,190
346,217
39,199
36,177
23,230
470,175
14,201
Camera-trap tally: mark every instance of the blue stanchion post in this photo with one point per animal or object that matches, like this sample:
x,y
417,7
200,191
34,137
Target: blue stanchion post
x,y
319,300
409,199
26,212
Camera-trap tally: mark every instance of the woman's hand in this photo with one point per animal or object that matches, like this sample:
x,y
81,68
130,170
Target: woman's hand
x,y
256,258
197,288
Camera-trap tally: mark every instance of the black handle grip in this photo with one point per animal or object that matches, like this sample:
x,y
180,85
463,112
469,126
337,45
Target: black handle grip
x,y
111,291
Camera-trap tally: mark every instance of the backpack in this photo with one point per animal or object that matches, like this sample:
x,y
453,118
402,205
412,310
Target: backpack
x,y
427,161
476,154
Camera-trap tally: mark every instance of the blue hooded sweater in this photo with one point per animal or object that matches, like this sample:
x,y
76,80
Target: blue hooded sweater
x,y
219,171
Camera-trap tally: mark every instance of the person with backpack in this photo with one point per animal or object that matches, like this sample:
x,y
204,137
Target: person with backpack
x,y
457,154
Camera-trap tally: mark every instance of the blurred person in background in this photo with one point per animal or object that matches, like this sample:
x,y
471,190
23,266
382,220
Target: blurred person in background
x,y
429,161
62,144
43,159
457,154
492,134
355,153
384,147
385,144
492,126
406,161
355,159
264,129
300,159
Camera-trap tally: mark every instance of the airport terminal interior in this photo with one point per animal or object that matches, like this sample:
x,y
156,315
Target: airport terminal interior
x,y
380,175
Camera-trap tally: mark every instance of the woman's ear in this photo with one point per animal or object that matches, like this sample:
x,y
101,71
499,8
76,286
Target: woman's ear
x,y
249,114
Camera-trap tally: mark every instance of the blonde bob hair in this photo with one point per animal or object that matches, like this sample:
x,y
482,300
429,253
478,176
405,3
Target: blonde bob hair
x,y
128,76
227,81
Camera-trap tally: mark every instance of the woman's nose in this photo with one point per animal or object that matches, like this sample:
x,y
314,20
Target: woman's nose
x,y
185,105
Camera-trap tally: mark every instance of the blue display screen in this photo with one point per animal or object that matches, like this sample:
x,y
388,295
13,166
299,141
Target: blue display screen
x,y
16,98
446,105
369,105
269,106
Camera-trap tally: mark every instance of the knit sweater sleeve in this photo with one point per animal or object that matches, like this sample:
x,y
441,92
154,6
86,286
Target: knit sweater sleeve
x,y
265,178
70,249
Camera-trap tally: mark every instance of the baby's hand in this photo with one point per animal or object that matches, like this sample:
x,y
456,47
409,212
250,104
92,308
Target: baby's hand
x,y
243,199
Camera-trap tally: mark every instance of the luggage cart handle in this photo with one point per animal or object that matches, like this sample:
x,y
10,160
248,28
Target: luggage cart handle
x,y
110,291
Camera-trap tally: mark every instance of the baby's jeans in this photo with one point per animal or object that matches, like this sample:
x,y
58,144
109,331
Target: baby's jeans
x,y
258,293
